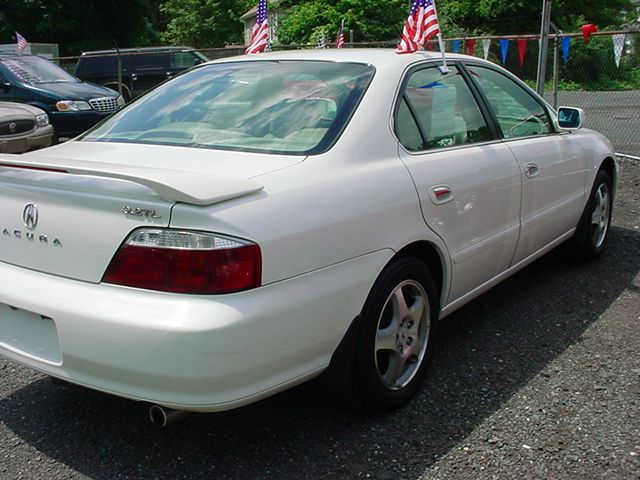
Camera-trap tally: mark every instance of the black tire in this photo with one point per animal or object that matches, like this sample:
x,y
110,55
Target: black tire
x,y
592,233
389,368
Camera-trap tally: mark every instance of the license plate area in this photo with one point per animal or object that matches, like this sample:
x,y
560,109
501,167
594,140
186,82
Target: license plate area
x,y
29,334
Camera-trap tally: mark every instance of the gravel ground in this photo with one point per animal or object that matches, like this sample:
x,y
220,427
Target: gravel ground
x,y
537,379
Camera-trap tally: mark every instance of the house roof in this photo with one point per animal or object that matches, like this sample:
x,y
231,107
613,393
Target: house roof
x,y
252,12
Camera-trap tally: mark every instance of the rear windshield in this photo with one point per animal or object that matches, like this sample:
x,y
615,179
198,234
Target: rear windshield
x,y
294,107
34,70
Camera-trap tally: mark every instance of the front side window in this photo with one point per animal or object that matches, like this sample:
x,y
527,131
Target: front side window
x,y
295,107
438,110
518,112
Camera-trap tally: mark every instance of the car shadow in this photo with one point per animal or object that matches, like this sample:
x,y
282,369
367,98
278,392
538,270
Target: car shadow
x,y
485,353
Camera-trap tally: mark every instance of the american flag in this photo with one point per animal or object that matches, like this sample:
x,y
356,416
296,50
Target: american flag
x,y
260,32
21,42
340,39
421,25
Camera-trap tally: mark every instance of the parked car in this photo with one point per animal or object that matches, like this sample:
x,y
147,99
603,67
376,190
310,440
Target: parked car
x,y
73,106
142,68
261,220
23,128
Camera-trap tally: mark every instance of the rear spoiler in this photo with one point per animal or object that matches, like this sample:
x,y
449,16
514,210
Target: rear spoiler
x,y
170,185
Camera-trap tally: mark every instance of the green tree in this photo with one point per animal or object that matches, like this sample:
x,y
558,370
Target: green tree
x,y
303,22
523,16
202,23
78,25
371,20
381,20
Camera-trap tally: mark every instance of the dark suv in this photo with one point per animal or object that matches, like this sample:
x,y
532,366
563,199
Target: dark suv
x,y
142,68
73,106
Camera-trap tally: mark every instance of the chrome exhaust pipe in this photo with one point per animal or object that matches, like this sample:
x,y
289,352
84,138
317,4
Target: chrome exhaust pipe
x,y
163,416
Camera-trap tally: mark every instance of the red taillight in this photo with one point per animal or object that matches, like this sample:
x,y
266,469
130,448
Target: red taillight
x,y
186,262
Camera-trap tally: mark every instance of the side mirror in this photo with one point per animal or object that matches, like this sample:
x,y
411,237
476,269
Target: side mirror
x,y
6,86
570,118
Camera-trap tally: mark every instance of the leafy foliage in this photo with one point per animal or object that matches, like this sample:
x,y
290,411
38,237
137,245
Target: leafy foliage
x,y
78,25
371,20
201,23
523,16
593,67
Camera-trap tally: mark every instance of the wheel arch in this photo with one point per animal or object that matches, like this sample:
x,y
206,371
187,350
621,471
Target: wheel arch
x,y
338,373
609,166
431,256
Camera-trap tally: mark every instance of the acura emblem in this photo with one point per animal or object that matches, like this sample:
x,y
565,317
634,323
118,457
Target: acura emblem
x,y
30,216
13,127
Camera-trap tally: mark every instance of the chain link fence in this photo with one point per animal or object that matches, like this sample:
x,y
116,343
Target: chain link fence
x,y
586,75
579,74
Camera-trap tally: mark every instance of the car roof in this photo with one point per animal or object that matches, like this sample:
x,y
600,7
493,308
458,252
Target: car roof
x,y
377,57
139,50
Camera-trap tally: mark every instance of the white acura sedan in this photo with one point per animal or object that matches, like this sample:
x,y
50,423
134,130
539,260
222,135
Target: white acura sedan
x,y
259,220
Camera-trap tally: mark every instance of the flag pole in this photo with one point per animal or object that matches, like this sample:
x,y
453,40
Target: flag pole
x,y
444,68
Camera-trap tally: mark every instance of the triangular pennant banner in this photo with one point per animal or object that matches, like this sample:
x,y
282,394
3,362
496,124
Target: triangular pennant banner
x,y
486,44
456,46
471,47
504,49
522,50
566,46
618,47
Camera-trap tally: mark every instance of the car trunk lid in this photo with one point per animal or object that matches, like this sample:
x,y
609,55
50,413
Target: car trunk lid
x,y
65,216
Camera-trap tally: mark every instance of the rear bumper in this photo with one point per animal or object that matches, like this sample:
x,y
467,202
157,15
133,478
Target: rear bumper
x,y
23,143
199,353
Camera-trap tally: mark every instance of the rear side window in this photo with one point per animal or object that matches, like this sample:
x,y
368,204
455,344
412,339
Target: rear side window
x,y
183,60
148,62
518,112
437,111
96,65
407,128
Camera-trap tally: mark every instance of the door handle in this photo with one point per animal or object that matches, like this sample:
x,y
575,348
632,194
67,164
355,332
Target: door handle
x,y
441,194
531,170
